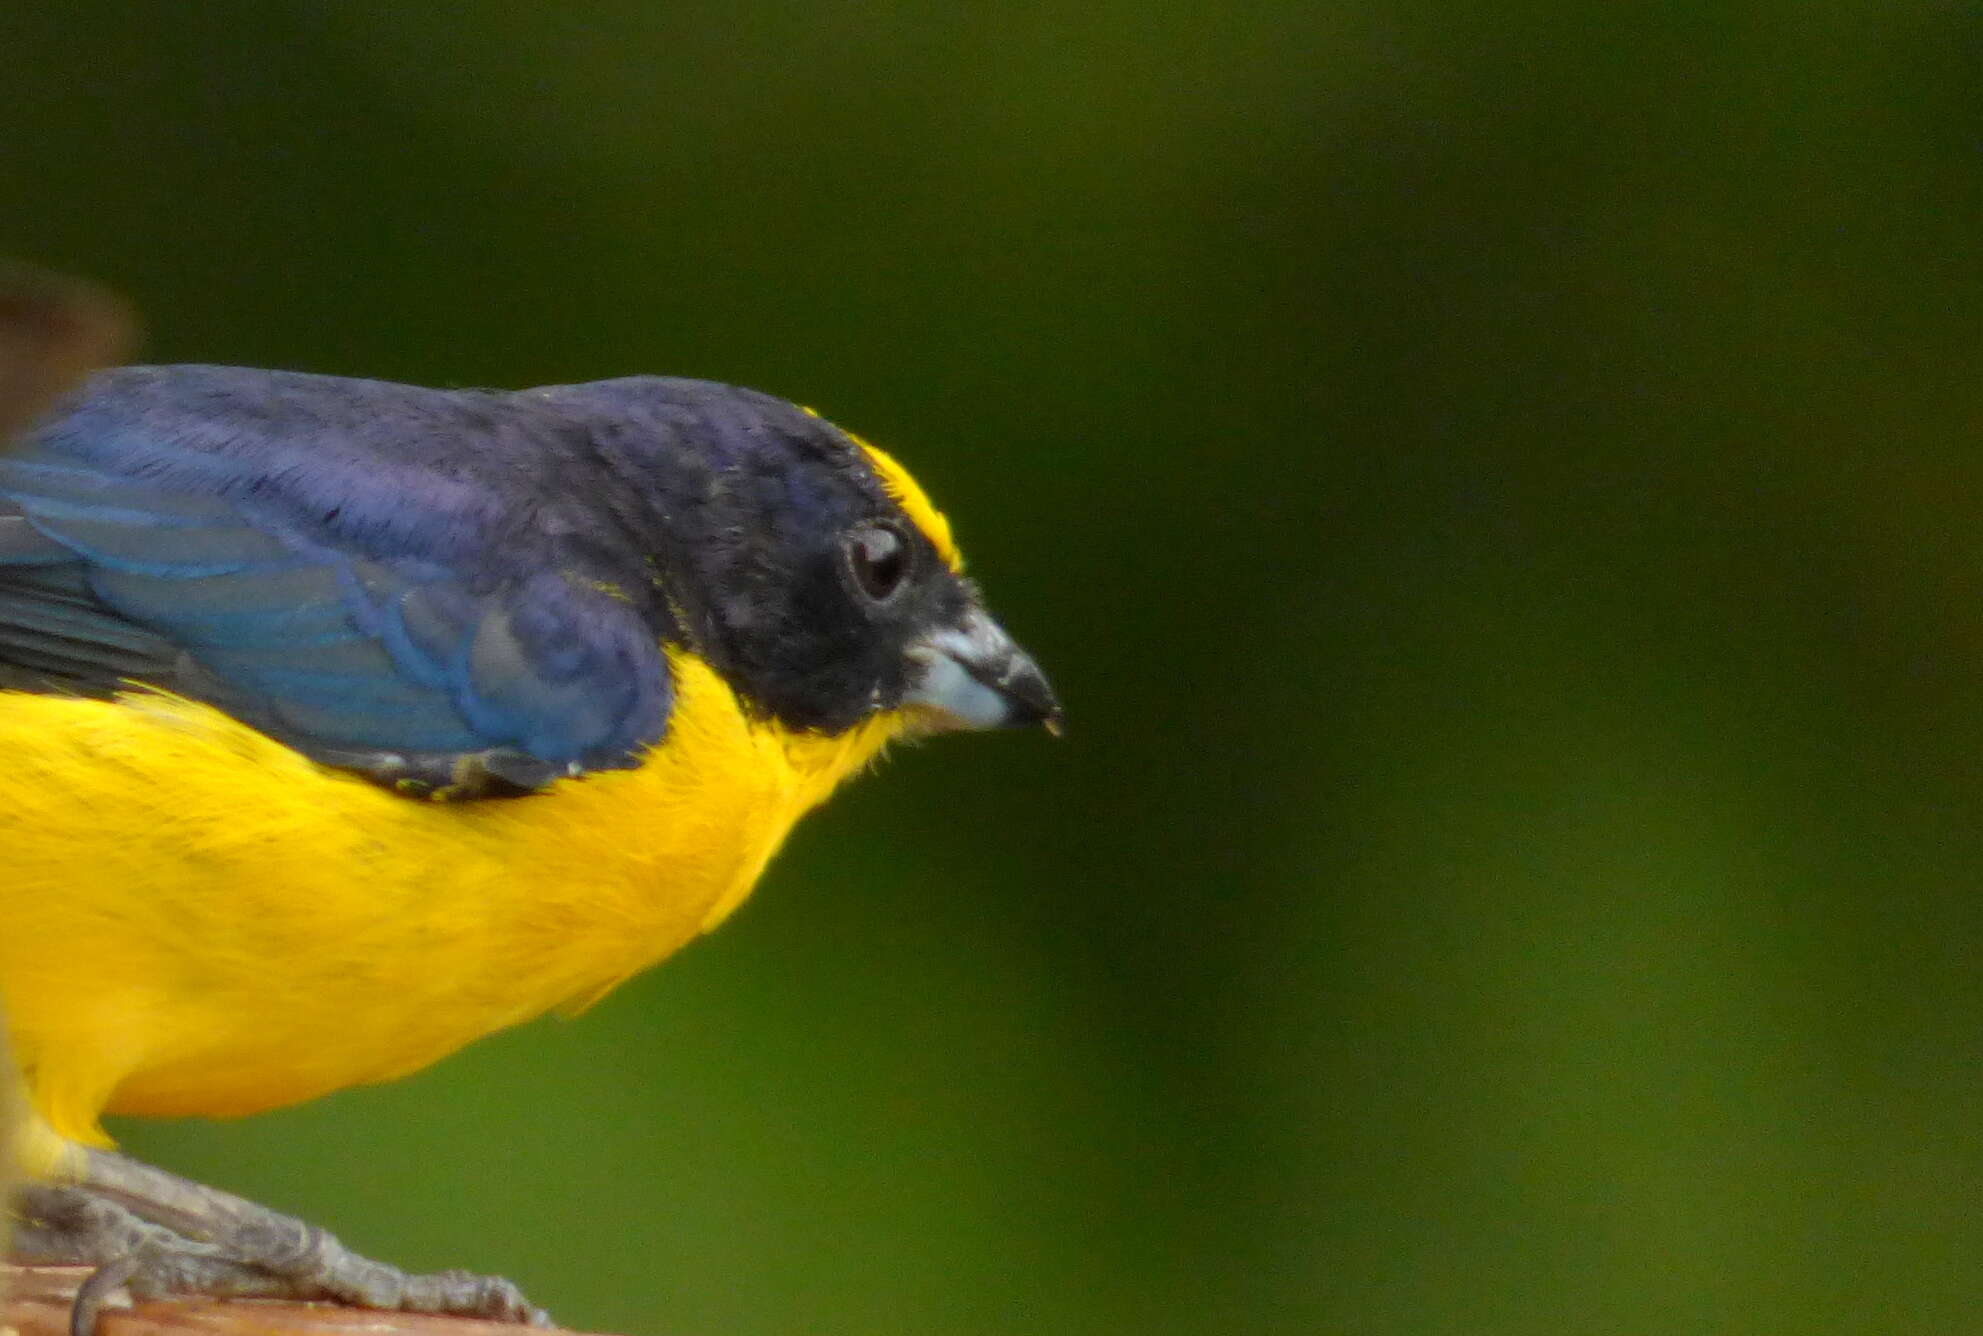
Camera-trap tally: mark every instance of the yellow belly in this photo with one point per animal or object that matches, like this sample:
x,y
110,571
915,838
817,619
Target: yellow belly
x,y
197,920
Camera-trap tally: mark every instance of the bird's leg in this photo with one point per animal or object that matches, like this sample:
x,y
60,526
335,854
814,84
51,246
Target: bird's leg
x,y
70,1226
157,1233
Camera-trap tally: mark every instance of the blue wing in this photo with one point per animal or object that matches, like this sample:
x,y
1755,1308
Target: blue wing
x,y
429,616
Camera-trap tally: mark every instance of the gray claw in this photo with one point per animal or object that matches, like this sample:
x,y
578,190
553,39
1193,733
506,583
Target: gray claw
x,y
154,1235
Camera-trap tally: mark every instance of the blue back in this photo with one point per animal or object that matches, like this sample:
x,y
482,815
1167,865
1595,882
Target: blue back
x,y
441,588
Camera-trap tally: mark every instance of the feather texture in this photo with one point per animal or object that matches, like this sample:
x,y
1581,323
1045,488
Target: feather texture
x,y
393,579
250,929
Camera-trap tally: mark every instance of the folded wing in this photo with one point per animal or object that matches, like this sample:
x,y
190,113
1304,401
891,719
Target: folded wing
x,y
456,669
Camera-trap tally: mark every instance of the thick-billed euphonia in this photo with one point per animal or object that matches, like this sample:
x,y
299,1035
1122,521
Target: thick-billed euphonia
x,y
345,722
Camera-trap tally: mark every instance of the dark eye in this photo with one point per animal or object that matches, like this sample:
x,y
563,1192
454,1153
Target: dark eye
x,y
879,559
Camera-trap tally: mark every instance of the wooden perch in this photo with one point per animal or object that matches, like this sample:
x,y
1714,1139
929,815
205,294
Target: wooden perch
x,y
38,1299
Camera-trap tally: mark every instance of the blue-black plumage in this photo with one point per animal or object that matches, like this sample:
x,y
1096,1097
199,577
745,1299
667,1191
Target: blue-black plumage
x,y
442,588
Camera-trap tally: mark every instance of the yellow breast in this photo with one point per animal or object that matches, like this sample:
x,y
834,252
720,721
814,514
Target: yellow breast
x,y
196,919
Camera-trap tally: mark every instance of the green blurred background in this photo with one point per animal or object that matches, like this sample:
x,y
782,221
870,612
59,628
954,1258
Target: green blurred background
x,y
1498,488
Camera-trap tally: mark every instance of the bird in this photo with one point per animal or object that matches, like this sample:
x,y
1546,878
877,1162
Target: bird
x,y
344,722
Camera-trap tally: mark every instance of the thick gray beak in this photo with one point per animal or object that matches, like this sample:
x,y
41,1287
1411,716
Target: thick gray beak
x,y
972,675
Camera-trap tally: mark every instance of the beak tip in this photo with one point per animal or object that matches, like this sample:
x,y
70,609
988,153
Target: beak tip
x,y
971,675
1032,701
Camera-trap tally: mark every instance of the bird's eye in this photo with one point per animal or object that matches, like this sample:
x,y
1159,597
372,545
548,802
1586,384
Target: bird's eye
x,y
879,559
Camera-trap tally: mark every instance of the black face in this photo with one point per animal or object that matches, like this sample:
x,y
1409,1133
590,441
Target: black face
x,y
817,635
782,558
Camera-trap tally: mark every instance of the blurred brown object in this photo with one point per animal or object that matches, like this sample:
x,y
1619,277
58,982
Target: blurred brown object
x,y
53,331
42,1296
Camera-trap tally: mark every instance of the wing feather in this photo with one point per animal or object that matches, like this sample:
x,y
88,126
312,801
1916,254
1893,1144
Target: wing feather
x,y
147,545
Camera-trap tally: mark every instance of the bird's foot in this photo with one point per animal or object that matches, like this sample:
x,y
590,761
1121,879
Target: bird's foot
x,y
155,1234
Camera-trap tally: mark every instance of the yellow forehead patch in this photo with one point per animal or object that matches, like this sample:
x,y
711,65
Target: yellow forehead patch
x,y
907,493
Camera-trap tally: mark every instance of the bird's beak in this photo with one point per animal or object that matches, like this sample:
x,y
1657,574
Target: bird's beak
x,y
972,675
